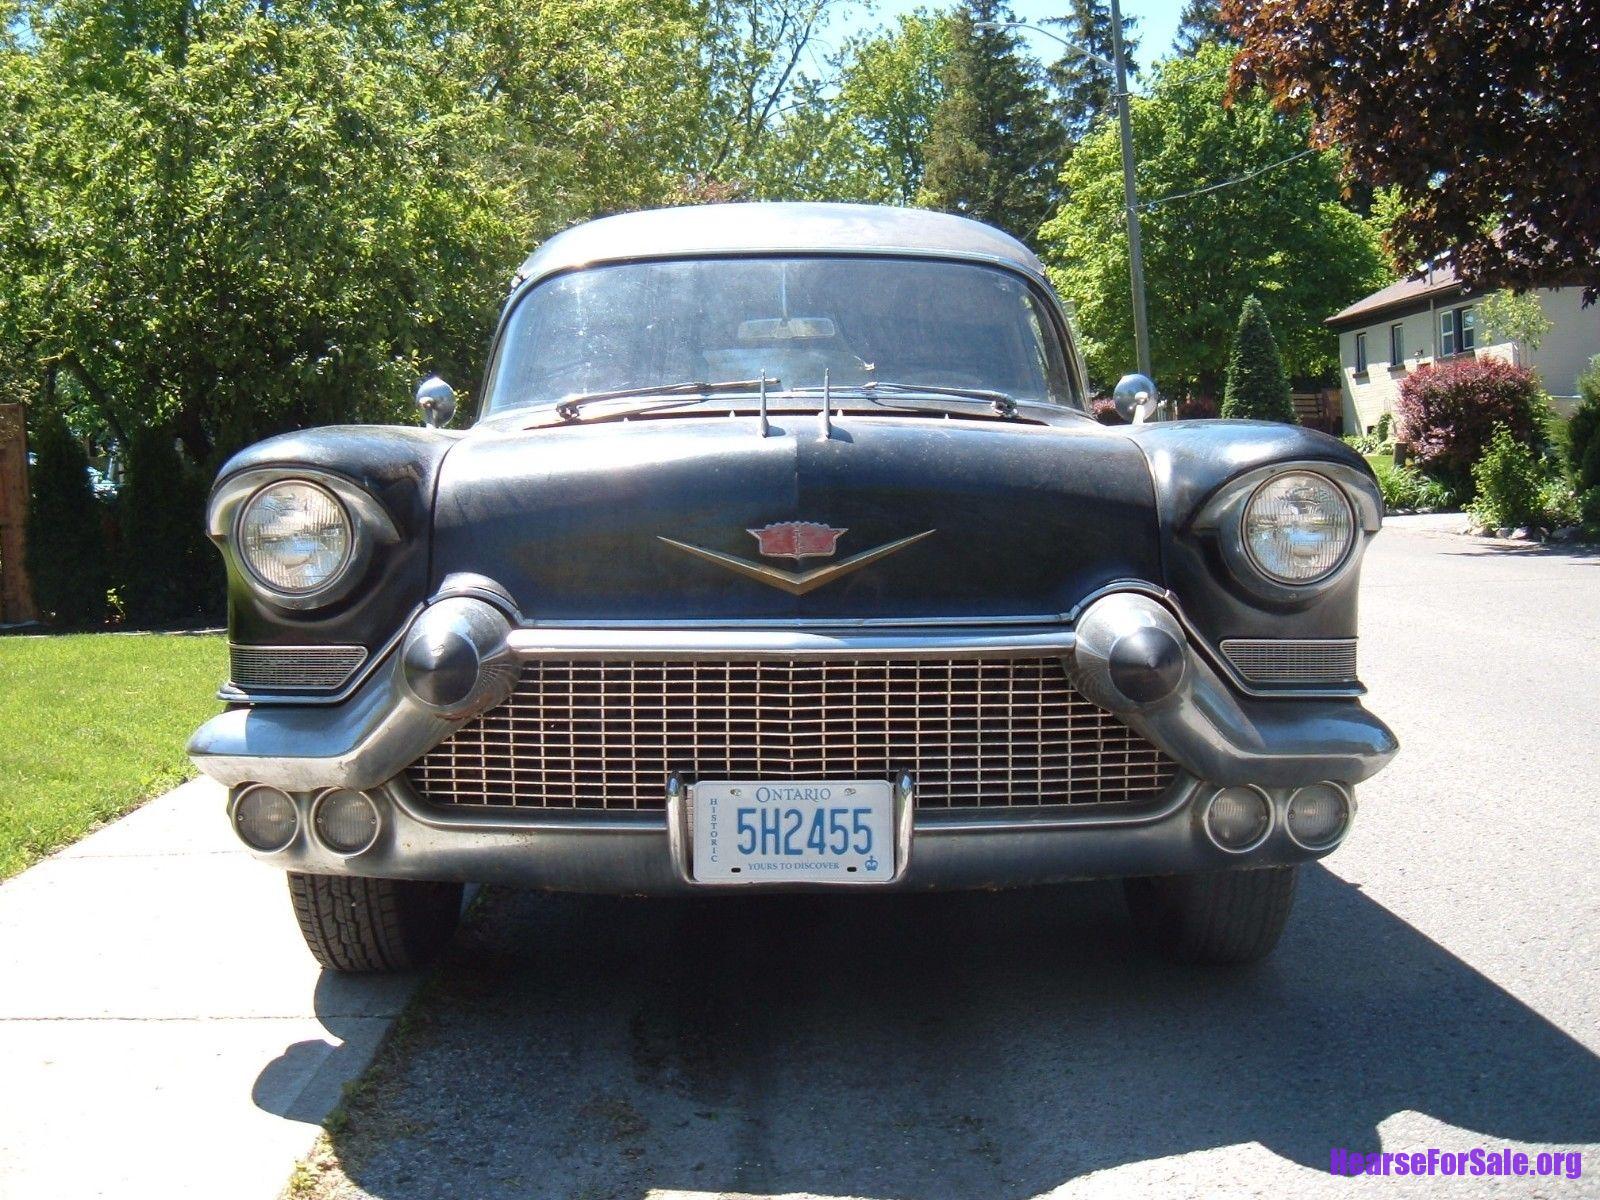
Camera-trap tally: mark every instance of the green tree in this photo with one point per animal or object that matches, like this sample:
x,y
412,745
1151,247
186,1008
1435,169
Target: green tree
x,y
1281,234
1086,89
66,537
1257,387
167,573
862,133
1509,317
995,147
1200,22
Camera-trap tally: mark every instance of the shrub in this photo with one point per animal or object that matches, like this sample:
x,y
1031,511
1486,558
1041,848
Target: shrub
x,y
1583,431
66,530
1104,410
1589,512
1448,413
1257,387
169,573
1197,406
1405,488
1509,482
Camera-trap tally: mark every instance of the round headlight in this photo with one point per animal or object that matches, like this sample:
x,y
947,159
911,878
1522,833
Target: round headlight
x,y
1298,527
295,537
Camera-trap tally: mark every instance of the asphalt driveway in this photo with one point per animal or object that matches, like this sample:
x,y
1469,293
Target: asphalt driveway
x,y
1439,986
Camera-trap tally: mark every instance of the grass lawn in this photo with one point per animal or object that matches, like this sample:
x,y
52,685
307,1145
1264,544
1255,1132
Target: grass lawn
x,y
90,725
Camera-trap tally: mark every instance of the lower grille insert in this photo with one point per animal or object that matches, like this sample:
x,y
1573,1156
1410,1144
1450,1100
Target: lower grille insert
x,y
293,668
1306,661
606,734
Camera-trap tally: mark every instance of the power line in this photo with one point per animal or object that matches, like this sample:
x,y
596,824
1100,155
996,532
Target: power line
x,y
1227,182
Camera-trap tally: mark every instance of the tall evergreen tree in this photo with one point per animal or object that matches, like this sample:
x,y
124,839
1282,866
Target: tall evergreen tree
x,y
1258,389
1084,88
1200,22
995,148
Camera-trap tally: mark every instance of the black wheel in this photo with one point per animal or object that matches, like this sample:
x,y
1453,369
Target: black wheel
x,y
1220,917
354,924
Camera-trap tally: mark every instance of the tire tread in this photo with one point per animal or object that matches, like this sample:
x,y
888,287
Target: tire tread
x,y
354,924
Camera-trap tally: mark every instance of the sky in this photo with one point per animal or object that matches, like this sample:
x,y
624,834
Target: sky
x,y
1157,21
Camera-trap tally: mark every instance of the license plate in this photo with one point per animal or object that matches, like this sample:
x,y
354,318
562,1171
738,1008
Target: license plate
x,y
795,831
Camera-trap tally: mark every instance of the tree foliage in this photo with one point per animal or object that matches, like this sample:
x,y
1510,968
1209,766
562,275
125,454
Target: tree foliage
x,y
1506,316
66,535
1257,387
995,147
1198,23
862,133
1282,235
1086,89
1481,116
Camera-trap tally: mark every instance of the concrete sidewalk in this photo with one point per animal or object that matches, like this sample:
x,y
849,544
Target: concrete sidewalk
x,y
163,1030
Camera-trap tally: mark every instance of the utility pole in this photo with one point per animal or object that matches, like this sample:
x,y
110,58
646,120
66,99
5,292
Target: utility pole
x,y
1130,195
1118,65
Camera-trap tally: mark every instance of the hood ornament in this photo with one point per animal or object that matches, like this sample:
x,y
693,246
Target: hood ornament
x,y
797,540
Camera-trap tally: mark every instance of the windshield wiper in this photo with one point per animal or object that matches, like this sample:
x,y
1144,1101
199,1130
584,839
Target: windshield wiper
x,y
569,409
1000,402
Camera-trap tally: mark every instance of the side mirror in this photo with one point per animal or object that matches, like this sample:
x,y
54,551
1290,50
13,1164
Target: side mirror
x,y
1136,399
437,400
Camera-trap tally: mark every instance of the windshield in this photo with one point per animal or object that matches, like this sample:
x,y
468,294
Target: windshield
x,y
938,323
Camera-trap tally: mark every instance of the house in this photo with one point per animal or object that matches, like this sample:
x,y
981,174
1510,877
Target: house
x,y
1430,317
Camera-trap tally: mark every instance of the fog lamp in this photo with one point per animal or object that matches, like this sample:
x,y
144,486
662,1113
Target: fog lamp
x,y
265,819
1318,816
1238,818
345,821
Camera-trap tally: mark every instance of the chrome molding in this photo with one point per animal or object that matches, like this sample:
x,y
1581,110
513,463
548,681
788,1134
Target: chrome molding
x,y
741,643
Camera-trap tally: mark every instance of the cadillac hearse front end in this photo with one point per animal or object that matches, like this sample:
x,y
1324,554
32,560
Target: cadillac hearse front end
x,y
782,553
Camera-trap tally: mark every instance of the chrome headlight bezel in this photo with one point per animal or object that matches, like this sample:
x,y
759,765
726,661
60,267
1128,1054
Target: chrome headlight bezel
x,y
369,526
1223,515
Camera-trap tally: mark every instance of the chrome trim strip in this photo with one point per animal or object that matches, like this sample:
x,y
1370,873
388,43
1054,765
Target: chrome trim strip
x,y
910,623
925,821
671,644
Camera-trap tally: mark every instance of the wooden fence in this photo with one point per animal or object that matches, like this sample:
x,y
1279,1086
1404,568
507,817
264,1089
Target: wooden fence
x,y
16,594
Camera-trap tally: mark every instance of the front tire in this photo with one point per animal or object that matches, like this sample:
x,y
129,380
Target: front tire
x,y
1220,917
354,924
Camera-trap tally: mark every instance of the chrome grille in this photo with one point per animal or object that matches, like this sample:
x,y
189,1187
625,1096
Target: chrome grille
x,y
974,732
293,668
1293,660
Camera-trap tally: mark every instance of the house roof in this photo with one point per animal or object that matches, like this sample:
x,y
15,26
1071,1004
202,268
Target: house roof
x,y
776,229
1406,294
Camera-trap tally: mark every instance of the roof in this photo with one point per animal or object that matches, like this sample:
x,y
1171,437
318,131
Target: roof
x,y
712,229
1407,293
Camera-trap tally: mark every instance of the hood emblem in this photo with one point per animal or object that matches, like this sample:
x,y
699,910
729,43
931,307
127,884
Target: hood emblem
x,y
797,540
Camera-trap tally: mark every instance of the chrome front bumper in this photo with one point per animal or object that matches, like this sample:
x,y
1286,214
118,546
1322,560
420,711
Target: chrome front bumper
x,y
1127,652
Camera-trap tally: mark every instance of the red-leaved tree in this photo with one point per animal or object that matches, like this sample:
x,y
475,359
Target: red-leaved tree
x,y
1482,116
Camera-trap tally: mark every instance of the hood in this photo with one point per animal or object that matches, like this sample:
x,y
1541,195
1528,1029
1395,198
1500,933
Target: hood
x,y
636,521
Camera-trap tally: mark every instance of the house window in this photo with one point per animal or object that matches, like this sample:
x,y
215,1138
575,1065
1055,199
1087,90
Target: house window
x,y
1361,354
1397,345
1458,332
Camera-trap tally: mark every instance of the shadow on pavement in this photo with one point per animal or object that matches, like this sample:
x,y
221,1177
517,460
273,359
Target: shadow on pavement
x,y
929,1048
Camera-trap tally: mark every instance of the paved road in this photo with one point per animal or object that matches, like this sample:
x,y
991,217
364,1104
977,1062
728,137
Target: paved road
x,y
1440,986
